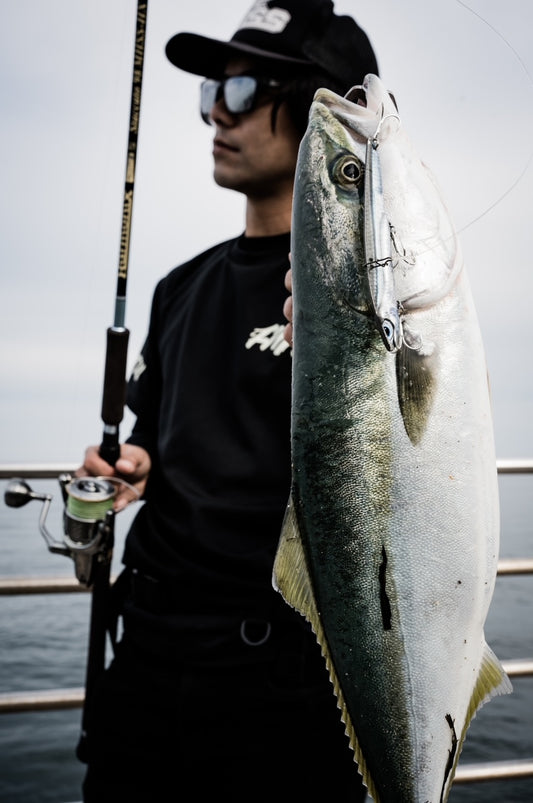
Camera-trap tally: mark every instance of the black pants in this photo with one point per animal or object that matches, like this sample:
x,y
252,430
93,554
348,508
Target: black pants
x,y
268,729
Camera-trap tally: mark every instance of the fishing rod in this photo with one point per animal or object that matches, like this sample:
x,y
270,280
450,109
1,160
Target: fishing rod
x,y
114,391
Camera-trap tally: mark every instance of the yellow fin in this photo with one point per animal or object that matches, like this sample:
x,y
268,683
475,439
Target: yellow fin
x,y
291,575
292,579
491,681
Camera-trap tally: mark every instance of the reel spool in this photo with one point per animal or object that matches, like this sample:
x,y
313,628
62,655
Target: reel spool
x,y
88,500
87,521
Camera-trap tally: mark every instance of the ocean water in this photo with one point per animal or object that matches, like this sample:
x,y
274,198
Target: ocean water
x,y
44,640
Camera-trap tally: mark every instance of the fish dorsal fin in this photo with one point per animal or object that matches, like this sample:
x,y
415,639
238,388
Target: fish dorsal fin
x,y
415,380
292,579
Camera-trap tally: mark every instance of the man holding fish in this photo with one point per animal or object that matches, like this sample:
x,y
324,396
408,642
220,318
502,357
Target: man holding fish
x,y
217,685
389,543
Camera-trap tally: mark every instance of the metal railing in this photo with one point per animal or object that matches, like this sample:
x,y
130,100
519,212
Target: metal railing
x,y
58,699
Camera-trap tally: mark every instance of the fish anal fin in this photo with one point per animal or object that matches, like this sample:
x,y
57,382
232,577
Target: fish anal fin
x,y
492,681
415,380
291,576
292,579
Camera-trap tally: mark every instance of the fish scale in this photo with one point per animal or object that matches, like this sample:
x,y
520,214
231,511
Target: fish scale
x,y
389,545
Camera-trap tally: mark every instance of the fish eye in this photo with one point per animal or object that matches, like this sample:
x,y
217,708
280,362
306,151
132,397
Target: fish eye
x,y
347,171
350,171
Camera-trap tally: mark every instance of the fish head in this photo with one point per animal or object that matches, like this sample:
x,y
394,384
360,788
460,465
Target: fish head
x,y
352,298
327,249
422,241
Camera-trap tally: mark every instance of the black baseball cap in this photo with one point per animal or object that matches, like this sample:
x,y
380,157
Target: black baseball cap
x,y
300,34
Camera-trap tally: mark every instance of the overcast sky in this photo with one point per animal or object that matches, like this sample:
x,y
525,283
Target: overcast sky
x,y
462,79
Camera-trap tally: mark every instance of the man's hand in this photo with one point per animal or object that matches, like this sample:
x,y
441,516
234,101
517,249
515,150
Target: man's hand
x,y
287,308
133,466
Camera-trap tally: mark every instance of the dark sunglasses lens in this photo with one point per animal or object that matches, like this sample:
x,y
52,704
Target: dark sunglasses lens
x,y
209,90
239,93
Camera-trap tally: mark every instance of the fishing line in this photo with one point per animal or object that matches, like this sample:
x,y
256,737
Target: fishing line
x,y
513,185
530,79
89,498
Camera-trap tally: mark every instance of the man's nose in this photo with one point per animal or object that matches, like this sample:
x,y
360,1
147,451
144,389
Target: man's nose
x,y
220,115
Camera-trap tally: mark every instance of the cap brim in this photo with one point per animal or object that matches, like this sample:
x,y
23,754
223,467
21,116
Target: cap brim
x,y
208,57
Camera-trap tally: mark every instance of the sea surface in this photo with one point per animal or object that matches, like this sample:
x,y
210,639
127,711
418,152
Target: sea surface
x,y
43,643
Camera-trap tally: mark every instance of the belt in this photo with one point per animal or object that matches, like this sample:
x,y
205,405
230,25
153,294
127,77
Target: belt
x,y
280,637
157,597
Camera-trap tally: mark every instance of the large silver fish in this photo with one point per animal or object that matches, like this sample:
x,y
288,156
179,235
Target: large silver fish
x,y
390,541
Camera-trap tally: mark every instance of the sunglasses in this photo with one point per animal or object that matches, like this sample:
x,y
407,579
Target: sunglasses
x,y
240,93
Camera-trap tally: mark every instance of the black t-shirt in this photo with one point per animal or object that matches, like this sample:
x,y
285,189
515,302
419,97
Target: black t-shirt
x,y
211,392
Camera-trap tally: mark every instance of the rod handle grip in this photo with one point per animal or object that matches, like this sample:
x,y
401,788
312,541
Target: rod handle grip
x,y
114,393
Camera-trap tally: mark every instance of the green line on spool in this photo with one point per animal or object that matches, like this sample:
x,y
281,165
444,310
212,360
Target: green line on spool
x,y
92,511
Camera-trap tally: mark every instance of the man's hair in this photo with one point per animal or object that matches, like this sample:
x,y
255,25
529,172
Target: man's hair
x,y
298,93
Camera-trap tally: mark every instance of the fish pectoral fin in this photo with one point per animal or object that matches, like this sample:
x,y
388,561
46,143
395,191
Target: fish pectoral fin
x,y
291,575
415,380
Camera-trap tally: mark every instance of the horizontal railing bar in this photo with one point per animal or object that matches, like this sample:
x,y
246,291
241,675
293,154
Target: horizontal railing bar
x,y
20,586
49,700
54,699
494,770
14,586
515,466
60,699
57,585
508,566
36,471
53,470
518,667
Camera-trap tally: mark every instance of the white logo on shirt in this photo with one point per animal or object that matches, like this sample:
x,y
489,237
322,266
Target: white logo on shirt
x,y
272,20
268,337
139,368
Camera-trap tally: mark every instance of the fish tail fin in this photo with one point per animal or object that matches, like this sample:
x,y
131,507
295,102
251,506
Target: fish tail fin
x,y
292,579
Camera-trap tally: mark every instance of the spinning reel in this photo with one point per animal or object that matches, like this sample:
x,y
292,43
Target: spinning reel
x,y
88,519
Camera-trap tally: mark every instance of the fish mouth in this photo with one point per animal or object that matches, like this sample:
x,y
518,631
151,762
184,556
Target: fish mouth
x,y
364,111
371,96
357,95
353,112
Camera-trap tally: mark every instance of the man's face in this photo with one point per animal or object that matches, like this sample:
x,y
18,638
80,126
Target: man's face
x,y
249,157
